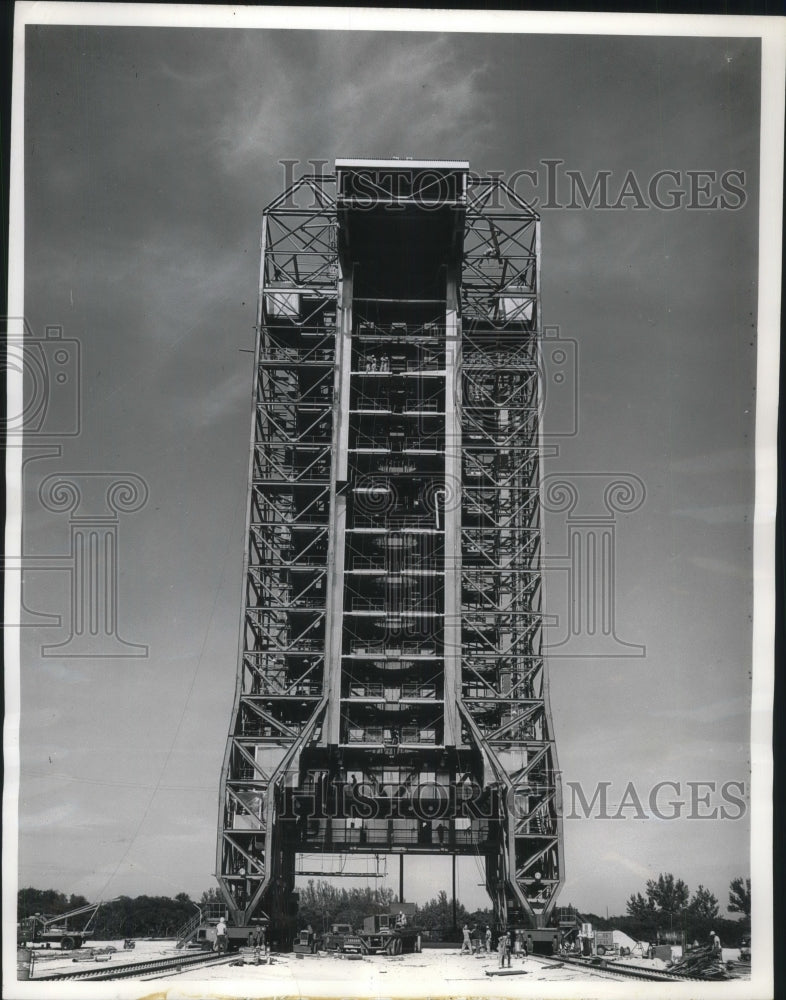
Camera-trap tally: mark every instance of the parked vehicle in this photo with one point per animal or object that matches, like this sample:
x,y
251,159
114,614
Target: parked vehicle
x,y
341,937
58,930
306,943
386,934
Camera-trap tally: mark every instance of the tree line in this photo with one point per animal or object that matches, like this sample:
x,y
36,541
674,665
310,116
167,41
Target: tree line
x,y
124,917
665,909
322,904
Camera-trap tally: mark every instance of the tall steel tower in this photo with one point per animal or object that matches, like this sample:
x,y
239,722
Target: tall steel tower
x,y
391,692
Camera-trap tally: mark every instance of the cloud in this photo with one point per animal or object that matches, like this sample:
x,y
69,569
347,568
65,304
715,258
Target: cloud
x,y
359,95
223,398
710,712
628,863
150,157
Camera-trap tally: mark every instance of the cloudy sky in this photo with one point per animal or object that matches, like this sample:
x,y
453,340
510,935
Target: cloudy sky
x,y
149,155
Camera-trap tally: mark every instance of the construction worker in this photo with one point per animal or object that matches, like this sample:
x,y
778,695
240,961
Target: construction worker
x,y
487,939
715,942
221,936
466,944
503,949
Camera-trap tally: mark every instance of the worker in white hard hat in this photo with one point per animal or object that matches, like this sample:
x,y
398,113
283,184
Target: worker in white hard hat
x,y
221,936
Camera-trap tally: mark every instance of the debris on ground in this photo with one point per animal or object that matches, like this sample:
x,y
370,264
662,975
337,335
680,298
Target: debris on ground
x,y
703,963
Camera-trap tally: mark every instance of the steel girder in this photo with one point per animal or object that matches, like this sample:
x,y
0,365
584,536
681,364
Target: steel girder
x,y
279,698
478,454
505,702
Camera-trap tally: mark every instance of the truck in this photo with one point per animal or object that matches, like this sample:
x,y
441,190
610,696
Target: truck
x,y
389,934
56,930
341,937
306,942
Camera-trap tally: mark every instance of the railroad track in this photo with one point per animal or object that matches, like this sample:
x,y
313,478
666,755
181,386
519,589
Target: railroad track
x,y
173,963
622,971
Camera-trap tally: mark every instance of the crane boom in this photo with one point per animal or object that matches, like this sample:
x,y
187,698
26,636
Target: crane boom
x,y
94,907
55,929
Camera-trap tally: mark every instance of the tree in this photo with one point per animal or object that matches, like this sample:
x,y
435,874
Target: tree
x,y
483,917
666,898
318,905
357,904
668,895
641,909
703,912
437,913
643,917
703,905
47,901
740,896
322,904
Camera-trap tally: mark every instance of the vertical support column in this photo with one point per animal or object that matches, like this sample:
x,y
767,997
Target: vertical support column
x,y
537,317
453,894
508,500
338,503
224,819
452,632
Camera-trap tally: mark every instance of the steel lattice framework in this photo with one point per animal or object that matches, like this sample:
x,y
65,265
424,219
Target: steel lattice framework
x,y
391,688
504,698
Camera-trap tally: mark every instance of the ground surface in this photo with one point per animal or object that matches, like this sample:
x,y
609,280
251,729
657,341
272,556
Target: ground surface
x,y
50,961
432,973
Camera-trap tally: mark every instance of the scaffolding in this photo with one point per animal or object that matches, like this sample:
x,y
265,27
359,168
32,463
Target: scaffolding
x,y
504,701
391,689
